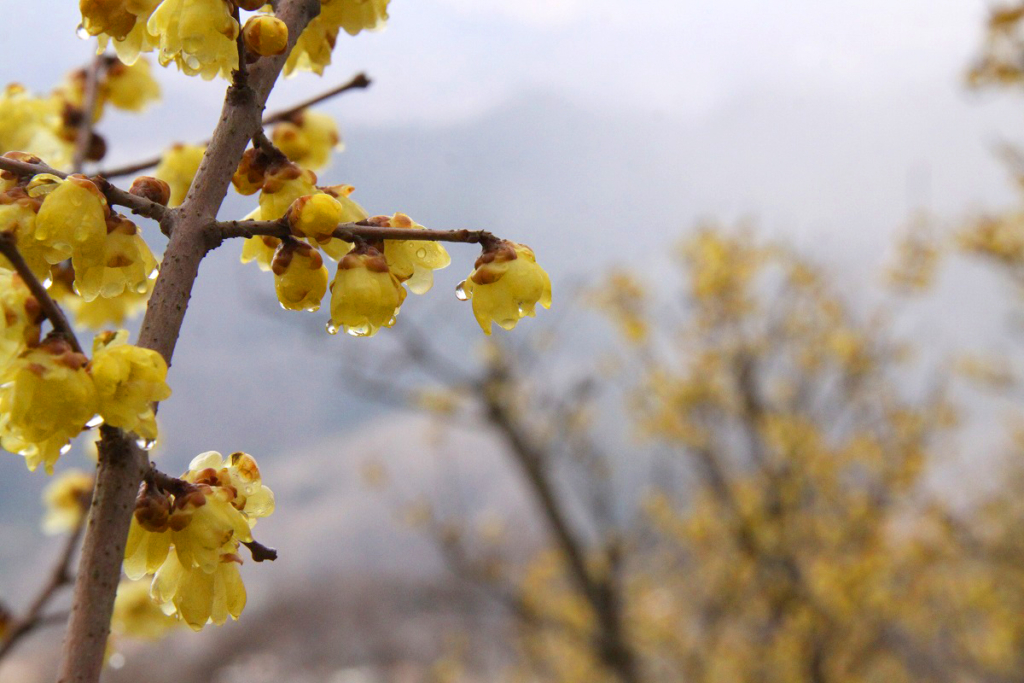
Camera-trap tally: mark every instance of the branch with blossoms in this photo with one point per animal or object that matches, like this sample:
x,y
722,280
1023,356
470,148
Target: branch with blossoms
x,y
72,255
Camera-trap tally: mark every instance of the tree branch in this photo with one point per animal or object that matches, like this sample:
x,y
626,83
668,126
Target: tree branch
x,y
362,230
115,195
359,81
122,464
9,248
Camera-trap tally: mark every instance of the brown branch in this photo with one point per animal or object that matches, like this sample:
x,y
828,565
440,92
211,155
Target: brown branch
x,y
122,464
9,248
264,144
83,139
362,230
137,205
60,577
359,81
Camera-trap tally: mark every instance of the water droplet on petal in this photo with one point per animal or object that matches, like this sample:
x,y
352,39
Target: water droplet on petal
x,y
421,253
145,444
331,327
153,273
460,291
96,421
65,448
47,282
82,32
391,322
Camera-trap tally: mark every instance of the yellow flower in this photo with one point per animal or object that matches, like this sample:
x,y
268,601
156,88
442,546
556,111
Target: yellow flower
x,y
136,615
197,35
300,276
128,381
29,123
131,87
125,264
260,249
178,169
282,185
19,326
413,261
212,514
46,399
308,139
365,296
355,15
316,216
241,474
266,35
199,597
67,500
506,286
100,313
72,218
352,213
109,19
312,51
18,217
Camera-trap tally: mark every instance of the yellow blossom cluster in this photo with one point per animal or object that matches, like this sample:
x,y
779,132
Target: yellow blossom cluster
x,y
189,538
372,276
199,36
48,124
49,393
1000,63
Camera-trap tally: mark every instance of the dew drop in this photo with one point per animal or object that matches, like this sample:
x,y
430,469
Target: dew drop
x,y
96,421
153,273
421,253
358,330
82,32
47,282
193,62
116,661
460,291
392,321
145,444
65,448
331,327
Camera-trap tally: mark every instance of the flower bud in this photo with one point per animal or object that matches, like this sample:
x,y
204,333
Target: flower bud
x,y
315,216
265,35
153,189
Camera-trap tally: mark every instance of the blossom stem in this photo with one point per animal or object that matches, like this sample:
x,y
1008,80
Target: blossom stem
x,y
9,248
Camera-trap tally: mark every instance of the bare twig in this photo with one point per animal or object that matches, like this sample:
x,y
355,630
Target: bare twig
x,y
59,578
137,205
358,82
83,140
9,248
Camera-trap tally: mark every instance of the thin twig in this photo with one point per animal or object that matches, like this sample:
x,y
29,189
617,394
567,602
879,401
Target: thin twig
x,y
265,145
90,97
9,248
362,230
359,81
260,552
59,578
115,195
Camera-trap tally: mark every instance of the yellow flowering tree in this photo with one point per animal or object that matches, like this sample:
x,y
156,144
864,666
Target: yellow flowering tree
x,y
768,513
75,254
